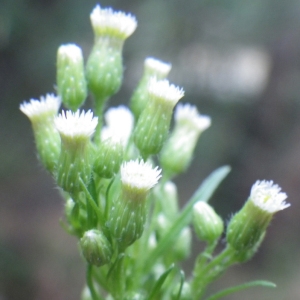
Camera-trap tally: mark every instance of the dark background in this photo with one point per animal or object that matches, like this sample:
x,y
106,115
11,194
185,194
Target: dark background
x,y
238,61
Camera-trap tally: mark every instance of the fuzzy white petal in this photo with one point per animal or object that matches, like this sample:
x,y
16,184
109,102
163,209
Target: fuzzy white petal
x,y
76,124
268,196
158,66
189,113
106,19
70,51
119,122
164,90
139,175
46,105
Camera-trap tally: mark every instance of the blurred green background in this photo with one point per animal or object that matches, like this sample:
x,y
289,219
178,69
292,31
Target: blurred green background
x,y
238,61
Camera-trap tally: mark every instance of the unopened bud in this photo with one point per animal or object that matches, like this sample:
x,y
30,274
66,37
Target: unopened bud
x,y
95,247
71,83
207,224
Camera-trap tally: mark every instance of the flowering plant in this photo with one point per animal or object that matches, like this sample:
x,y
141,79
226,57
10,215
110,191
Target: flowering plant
x,y
115,172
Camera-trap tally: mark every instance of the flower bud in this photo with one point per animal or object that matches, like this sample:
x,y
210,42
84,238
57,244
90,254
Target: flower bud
x,y
41,114
95,247
108,158
71,83
169,200
119,121
248,226
178,151
104,68
128,213
76,157
183,243
152,68
207,224
153,125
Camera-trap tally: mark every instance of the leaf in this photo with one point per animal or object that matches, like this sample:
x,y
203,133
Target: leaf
x,y
203,193
182,277
157,287
243,286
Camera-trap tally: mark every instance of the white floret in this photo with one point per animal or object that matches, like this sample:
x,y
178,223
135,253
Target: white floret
x,y
157,66
70,51
106,20
76,124
189,113
268,196
139,175
164,90
48,105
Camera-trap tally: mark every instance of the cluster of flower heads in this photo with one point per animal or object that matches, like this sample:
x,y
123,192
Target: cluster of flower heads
x,y
77,148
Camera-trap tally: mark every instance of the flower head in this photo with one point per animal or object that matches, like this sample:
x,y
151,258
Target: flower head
x,y
157,66
189,113
47,105
70,51
139,175
119,122
76,124
164,90
268,196
108,22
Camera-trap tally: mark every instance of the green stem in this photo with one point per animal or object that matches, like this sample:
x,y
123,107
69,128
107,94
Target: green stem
x,y
204,275
92,203
99,108
89,281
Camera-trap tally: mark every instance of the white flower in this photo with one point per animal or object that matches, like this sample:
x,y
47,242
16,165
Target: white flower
x,y
164,90
70,51
157,66
139,175
119,122
268,196
47,105
106,21
76,124
189,113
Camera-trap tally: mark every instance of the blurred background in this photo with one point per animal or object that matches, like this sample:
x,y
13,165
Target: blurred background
x,y
238,61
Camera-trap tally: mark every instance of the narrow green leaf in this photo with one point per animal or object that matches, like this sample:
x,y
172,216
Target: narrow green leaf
x,y
243,286
203,193
157,287
182,277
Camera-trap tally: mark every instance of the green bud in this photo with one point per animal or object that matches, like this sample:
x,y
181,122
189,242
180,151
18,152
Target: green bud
x,y
104,70
152,68
163,224
76,157
248,226
183,243
70,77
95,247
41,114
178,151
153,125
168,199
128,212
207,224
108,158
